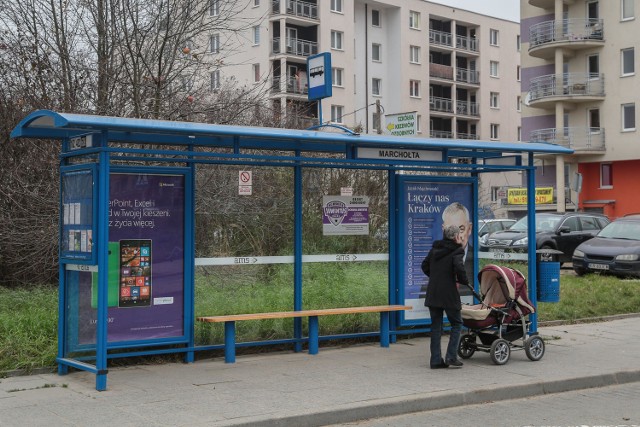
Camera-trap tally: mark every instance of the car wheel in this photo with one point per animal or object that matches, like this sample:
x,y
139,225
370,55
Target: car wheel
x,y
579,271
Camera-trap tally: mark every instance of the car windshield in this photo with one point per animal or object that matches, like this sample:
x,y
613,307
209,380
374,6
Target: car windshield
x,y
543,223
621,230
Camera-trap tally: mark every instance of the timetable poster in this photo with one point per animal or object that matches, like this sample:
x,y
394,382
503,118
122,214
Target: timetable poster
x,y
145,295
425,207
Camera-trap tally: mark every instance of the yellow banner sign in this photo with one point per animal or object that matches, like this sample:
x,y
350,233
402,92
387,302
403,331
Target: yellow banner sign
x,y
518,196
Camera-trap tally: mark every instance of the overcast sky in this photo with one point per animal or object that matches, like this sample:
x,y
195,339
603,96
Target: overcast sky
x,y
505,9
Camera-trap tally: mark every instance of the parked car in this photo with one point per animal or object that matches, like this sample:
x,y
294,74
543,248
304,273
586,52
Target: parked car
x,y
615,250
563,232
486,226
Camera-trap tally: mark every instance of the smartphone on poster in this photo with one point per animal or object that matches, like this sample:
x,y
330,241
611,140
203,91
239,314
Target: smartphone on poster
x,y
135,273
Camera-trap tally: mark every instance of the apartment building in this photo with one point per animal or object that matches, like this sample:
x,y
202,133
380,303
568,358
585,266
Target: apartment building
x,y
580,87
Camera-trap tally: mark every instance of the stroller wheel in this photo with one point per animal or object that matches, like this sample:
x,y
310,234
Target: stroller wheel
x,y
500,351
534,348
467,346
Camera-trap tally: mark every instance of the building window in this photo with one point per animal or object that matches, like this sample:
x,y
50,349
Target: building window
x,y
493,68
375,18
337,75
215,80
628,117
337,112
336,40
377,125
593,66
376,86
627,9
214,7
493,37
518,72
628,61
519,134
494,100
256,2
414,54
256,35
606,175
215,43
376,52
518,42
495,131
414,20
414,88
418,120
256,72
336,6
519,103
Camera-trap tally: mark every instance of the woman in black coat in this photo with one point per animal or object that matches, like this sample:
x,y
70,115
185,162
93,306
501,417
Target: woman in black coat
x,y
445,267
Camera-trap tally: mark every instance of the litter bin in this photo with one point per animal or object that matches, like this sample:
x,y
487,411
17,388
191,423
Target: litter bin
x,y
548,265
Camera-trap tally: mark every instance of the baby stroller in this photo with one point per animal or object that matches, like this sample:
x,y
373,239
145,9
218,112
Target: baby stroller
x,y
500,320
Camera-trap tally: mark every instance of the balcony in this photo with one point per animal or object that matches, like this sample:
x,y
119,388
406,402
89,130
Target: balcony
x,y
581,140
297,47
293,85
300,9
443,105
440,71
467,76
572,34
467,43
468,108
440,38
440,134
473,136
545,91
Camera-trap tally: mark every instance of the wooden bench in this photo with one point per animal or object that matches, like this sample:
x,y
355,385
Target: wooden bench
x,y
230,324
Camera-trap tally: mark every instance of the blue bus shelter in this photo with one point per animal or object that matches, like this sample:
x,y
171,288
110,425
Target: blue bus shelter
x,y
127,218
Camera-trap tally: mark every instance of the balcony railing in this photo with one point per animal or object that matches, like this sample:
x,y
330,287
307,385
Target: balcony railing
x,y
468,108
576,138
461,135
569,84
297,47
444,105
301,9
467,43
293,85
440,38
441,134
440,71
566,30
467,76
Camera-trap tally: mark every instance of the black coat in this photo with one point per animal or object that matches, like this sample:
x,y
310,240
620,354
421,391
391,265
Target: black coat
x,y
445,267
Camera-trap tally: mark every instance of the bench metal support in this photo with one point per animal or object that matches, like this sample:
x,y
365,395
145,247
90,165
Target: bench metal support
x,y
230,342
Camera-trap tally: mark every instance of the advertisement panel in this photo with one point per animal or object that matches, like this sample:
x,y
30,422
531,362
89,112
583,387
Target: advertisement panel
x,y
345,215
426,206
146,261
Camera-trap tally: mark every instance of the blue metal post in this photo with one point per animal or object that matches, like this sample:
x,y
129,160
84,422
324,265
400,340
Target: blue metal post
x,y
230,342
392,238
297,255
314,335
62,318
189,260
384,329
320,112
531,233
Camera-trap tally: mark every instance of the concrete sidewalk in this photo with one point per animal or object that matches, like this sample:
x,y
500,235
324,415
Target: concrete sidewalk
x,y
336,386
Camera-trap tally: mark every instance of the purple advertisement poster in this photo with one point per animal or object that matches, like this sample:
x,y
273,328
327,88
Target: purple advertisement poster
x,y
426,208
146,261
345,215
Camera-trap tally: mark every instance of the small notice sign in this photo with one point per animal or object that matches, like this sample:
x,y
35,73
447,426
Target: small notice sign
x,y
245,183
345,215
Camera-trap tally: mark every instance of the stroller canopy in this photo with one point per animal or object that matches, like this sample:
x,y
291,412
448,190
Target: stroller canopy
x,y
500,285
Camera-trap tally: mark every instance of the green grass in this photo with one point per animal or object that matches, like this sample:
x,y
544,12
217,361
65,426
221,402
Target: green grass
x,y
28,317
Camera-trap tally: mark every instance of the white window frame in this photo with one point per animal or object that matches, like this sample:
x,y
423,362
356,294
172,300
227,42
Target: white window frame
x,y
215,80
495,131
214,7
214,42
623,62
494,69
376,52
494,100
376,86
337,113
414,88
494,37
256,3
414,20
518,42
627,13
414,54
337,40
336,6
610,166
519,134
256,72
518,72
418,120
256,35
376,12
625,126
337,77
519,103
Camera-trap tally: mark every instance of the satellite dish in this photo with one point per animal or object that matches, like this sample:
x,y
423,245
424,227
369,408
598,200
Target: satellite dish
x,y
527,99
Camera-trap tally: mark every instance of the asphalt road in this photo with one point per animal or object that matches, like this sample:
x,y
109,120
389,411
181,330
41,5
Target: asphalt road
x,y
605,406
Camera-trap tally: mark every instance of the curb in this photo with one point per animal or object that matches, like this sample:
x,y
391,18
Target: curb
x,y
433,401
